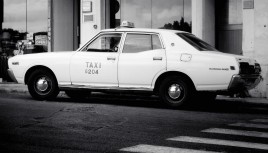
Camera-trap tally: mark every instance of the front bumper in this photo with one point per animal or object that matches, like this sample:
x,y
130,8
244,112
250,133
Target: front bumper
x,y
12,76
244,82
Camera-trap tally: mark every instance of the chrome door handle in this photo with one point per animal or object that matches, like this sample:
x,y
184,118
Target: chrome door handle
x,y
111,58
157,58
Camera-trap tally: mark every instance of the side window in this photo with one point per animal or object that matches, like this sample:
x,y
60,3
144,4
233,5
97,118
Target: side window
x,y
135,43
104,43
156,42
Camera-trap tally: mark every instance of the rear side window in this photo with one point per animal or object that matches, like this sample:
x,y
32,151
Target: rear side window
x,y
135,43
196,42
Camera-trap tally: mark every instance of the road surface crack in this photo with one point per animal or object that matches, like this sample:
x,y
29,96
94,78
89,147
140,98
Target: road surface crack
x,y
39,119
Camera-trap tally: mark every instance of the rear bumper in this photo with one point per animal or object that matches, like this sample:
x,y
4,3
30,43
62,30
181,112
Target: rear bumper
x,y
244,82
12,76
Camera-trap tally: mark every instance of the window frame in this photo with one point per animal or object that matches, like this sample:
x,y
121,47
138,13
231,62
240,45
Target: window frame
x,y
141,33
83,49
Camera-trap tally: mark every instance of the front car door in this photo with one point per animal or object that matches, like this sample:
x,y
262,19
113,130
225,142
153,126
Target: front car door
x,y
96,63
142,58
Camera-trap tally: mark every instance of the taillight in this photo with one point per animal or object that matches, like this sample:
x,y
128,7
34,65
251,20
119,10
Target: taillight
x,y
257,68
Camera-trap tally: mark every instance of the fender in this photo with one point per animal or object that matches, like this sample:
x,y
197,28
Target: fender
x,y
171,71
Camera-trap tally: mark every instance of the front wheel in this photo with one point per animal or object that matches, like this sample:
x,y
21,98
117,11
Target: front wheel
x,y
42,85
175,91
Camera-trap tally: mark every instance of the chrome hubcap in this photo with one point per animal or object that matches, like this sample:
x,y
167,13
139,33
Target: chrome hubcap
x,y
42,84
174,91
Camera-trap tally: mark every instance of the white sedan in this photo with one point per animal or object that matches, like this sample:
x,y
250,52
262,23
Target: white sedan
x,y
173,64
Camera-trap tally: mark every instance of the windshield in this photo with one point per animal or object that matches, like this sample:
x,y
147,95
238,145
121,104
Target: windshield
x,y
196,42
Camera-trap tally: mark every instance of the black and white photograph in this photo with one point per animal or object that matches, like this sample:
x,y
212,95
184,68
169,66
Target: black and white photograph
x,y
133,76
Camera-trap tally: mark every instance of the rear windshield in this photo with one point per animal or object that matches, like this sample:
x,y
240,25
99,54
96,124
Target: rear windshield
x,y
196,42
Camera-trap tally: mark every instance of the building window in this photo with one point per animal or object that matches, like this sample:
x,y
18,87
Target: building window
x,y
172,14
138,12
24,26
168,14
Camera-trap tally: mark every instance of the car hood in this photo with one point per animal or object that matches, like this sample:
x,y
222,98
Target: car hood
x,y
48,58
43,55
50,54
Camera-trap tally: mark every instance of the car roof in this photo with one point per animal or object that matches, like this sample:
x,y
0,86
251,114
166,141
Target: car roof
x,y
123,29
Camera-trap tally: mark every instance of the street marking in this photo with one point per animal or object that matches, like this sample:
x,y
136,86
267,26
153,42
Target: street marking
x,y
260,120
249,125
160,149
237,132
221,142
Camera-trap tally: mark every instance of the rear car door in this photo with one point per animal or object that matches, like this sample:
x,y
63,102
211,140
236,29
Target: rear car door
x,y
96,63
141,59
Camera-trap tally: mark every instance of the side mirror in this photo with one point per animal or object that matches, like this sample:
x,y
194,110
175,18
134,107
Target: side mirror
x,y
115,49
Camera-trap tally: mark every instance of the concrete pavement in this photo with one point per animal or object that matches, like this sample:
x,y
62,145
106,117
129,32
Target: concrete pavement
x,y
14,88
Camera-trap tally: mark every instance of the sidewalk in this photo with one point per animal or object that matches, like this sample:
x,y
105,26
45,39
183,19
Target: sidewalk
x,y
13,88
6,88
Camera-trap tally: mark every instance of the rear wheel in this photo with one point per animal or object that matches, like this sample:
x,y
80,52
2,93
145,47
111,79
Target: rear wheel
x,y
175,91
42,85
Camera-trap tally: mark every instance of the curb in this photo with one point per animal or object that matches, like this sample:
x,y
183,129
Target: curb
x,y
249,100
14,88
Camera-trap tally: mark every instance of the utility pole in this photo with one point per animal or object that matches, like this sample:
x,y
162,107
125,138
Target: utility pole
x,y
1,13
26,17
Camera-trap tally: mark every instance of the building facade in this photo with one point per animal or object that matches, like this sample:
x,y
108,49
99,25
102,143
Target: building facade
x,y
232,26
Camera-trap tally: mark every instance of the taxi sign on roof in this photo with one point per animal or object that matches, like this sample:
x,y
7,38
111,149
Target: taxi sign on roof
x,y
127,24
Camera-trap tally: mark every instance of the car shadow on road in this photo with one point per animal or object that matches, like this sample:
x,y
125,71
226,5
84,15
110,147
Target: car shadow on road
x,y
148,101
225,106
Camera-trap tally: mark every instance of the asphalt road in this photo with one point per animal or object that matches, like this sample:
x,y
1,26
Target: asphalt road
x,y
112,123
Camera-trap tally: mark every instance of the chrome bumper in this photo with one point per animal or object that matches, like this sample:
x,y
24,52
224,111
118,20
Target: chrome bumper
x,y
12,76
242,82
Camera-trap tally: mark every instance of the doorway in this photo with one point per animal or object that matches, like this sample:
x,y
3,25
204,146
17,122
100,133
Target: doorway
x,y
229,26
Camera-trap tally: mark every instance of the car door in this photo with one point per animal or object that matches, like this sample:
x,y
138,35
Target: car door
x,y
96,63
141,59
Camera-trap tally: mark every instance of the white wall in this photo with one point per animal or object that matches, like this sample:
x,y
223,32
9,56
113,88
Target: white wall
x,y
203,20
62,25
261,31
90,28
255,38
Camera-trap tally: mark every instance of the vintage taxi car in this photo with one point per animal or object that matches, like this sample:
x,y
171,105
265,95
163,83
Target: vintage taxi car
x,y
175,65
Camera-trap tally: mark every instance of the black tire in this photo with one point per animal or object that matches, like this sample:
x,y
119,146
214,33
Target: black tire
x,y
1,66
4,68
42,85
175,91
77,94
